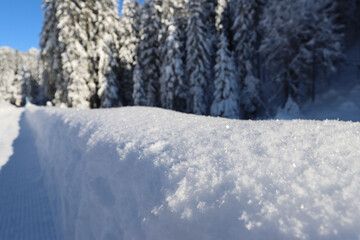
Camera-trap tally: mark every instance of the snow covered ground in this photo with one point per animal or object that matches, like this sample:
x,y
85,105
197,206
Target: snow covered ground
x,y
145,173
9,130
24,207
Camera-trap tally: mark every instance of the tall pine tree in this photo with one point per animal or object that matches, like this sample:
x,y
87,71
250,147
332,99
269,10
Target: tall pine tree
x,y
226,95
50,52
105,53
73,89
246,41
198,60
148,62
300,37
129,39
173,89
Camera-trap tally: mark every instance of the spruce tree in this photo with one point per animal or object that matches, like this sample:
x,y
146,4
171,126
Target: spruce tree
x,y
173,90
129,39
209,19
139,94
322,48
198,61
17,87
281,45
73,89
8,65
300,37
246,41
226,94
50,52
223,17
105,53
149,55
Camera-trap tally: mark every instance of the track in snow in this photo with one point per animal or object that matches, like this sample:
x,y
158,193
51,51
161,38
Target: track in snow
x,y
24,206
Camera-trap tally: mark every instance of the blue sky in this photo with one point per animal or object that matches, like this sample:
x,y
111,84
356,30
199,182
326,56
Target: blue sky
x,y
20,23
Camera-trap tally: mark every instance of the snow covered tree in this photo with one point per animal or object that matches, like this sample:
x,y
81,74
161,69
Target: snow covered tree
x,y
149,55
32,77
50,52
105,53
8,66
17,87
246,41
172,82
323,41
139,94
64,53
209,19
198,60
20,76
33,89
226,94
173,89
221,15
73,89
298,35
129,39
80,52
281,45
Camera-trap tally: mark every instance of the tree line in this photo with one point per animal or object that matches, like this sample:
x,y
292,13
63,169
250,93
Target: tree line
x,y
231,58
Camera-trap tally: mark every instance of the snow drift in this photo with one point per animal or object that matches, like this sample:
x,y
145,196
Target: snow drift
x,y
9,130
145,173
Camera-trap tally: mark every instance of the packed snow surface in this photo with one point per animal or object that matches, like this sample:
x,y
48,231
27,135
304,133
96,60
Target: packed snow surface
x,y
9,130
145,173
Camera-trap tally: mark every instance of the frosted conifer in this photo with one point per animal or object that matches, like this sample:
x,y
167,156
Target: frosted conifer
x,y
298,36
226,95
139,94
246,41
148,54
129,39
173,90
50,52
198,61
72,90
105,53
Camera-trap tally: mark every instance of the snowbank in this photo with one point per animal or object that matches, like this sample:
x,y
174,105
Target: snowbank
x,y
144,173
9,130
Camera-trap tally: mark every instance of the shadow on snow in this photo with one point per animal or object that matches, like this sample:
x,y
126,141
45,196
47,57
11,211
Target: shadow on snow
x,y
24,206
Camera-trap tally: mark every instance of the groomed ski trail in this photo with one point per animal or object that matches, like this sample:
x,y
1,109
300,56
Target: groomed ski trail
x,y
24,207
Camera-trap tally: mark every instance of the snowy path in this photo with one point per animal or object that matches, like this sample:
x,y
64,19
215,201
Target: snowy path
x,y
24,207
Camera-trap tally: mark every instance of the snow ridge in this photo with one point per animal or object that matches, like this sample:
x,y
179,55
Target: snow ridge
x,y
9,127
145,173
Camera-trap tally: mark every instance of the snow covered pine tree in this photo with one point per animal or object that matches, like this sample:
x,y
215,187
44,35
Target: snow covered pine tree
x,y
147,70
246,40
105,51
198,62
226,101
300,38
129,39
172,86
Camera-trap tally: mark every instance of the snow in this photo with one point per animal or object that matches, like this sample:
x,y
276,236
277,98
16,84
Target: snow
x,y
24,207
147,173
9,130
344,102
